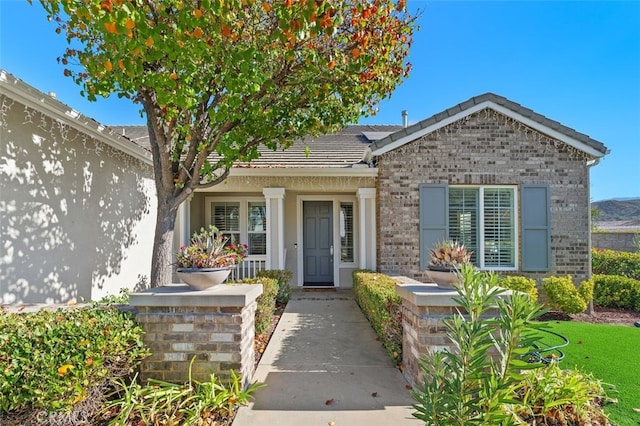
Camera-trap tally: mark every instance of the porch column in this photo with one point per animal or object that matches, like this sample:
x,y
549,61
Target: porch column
x,y
183,224
274,198
367,202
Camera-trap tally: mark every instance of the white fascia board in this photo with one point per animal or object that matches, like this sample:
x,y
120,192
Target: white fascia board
x,y
304,171
23,93
498,108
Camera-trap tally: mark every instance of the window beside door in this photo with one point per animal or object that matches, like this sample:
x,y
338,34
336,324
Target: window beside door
x,y
244,221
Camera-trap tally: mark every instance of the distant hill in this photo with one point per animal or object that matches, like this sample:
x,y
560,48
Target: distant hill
x,y
618,214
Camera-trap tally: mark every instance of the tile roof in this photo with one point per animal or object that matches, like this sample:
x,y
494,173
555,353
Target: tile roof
x,y
410,133
341,149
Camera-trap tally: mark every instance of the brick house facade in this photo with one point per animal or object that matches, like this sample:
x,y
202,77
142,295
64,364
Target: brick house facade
x,y
484,147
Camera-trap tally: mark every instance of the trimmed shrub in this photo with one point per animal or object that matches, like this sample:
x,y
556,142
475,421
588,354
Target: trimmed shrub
x,y
376,295
565,296
614,291
266,301
64,360
283,276
612,262
523,284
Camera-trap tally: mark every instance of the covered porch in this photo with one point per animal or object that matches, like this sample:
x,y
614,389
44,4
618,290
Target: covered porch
x,y
318,223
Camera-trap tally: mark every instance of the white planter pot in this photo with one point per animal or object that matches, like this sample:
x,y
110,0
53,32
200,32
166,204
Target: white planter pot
x,y
444,279
203,278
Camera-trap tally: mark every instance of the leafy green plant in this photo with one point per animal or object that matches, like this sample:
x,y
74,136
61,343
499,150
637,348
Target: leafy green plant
x,y
550,395
283,276
564,295
617,292
376,295
164,403
519,283
490,336
53,360
122,298
266,301
612,262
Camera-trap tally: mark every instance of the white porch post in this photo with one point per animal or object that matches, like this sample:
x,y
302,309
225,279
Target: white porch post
x,y
183,221
274,199
367,202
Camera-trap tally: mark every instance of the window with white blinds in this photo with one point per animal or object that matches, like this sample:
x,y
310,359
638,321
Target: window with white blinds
x,y
244,221
346,232
483,219
226,217
257,228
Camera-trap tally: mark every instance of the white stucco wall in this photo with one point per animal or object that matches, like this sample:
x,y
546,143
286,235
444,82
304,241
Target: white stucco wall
x,y
76,215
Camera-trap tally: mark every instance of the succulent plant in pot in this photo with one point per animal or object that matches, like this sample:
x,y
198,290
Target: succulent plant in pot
x,y
445,260
208,258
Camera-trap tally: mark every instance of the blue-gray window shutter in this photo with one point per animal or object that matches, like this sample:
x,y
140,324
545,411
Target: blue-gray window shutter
x,y
434,214
536,228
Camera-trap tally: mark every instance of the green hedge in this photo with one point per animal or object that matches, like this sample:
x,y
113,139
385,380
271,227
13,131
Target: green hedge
x,y
266,301
376,295
616,291
519,283
54,360
612,262
283,276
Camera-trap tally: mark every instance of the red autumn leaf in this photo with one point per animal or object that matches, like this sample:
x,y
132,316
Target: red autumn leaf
x,y
328,401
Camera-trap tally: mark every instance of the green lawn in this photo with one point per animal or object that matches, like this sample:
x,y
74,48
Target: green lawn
x,y
612,354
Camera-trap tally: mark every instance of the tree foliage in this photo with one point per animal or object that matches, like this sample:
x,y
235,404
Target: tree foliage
x,y
219,78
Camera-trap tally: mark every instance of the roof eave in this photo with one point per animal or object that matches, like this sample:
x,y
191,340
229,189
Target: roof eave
x,y
23,93
364,172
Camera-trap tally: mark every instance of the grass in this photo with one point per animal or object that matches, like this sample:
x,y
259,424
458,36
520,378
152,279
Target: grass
x,y
610,352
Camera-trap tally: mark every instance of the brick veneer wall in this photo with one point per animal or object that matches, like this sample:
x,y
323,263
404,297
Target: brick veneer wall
x,y
205,325
485,148
423,329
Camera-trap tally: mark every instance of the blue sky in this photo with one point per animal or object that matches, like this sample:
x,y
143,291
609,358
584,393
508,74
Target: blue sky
x,y
574,62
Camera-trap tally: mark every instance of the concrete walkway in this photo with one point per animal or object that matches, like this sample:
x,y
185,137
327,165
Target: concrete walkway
x,y
324,366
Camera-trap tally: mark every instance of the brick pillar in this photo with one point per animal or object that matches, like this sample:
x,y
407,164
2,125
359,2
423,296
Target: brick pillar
x,y
424,309
215,326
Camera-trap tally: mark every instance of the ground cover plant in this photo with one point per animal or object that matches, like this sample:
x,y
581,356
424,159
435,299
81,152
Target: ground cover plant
x,y
163,403
610,353
62,362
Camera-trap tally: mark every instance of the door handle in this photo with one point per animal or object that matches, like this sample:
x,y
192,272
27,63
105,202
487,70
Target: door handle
x,y
331,250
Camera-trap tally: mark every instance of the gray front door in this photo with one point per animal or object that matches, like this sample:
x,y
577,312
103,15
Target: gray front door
x,y
318,243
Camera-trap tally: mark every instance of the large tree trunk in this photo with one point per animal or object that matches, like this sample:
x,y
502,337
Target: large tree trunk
x,y
161,262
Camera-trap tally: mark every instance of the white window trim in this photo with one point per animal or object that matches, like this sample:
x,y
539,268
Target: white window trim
x,y
244,213
337,262
516,217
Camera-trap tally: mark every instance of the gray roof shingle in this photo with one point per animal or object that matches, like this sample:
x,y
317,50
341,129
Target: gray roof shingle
x,y
336,150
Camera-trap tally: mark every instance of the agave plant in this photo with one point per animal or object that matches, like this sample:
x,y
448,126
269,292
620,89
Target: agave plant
x,y
449,254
